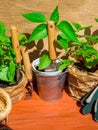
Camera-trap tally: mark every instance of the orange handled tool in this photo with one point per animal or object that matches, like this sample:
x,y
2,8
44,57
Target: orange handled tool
x,y
51,46
15,44
28,70
27,64
51,40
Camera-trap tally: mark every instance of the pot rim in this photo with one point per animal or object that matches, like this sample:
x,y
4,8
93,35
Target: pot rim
x,y
35,63
6,101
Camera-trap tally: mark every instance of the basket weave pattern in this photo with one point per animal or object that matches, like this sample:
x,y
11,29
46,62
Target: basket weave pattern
x,y
5,104
17,92
81,82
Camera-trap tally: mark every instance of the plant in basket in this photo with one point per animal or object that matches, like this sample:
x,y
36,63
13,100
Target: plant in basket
x,y
50,71
12,78
83,73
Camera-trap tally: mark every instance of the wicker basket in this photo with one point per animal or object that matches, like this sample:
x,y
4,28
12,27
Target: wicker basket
x,y
16,92
80,82
5,104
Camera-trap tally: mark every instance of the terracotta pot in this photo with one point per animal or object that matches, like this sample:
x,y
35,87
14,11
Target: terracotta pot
x,y
50,84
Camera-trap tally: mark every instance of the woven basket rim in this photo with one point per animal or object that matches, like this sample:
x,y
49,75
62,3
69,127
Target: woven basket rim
x,y
6,104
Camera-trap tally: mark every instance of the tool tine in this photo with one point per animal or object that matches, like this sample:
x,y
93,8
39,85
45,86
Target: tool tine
x,y
83,100
87,108
96,111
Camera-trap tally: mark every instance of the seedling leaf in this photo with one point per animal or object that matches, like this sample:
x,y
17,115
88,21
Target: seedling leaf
x,y
62,42
39,32
55,15
78,27
35,17
64,64
96,19
2,29
68,31
44,62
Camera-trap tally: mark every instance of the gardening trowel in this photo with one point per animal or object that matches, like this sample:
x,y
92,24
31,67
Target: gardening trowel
x,y
15,44
52,51
28,70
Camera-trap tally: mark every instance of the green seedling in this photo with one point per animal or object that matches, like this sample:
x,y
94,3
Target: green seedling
x,y
41,32
7,55
84,53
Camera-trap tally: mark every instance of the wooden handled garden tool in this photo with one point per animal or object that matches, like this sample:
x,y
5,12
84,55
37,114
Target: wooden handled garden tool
x,y
15,44
28,70
52,51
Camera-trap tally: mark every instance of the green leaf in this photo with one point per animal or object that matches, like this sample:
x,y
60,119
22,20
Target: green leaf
x,y
35,17
62,42
92,38
55,15
2,29
96,19
7,73
11,71
78,27
44,62
68,31
3,73
39,32
64,64
22,39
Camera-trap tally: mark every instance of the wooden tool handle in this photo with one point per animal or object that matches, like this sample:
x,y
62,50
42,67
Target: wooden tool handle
x,y
51,39
15,43
27,65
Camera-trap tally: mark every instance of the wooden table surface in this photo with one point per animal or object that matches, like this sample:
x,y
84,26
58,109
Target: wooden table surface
x,y
36,114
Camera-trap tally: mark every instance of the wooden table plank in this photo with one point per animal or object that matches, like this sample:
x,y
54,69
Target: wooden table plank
x,y
36,114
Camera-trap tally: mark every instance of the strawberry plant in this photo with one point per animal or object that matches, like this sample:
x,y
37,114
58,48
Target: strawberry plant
x,y
41,31
7,56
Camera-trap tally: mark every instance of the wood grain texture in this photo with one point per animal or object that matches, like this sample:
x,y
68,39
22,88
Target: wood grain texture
x,y
35,114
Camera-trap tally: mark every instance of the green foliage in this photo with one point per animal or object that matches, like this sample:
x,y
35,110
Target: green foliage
x,y
2,29
40,32
84,53
55,15
64,64
8,65
35,17
96,19
62,42
78,27
68,31
22,39
44,62
89,56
